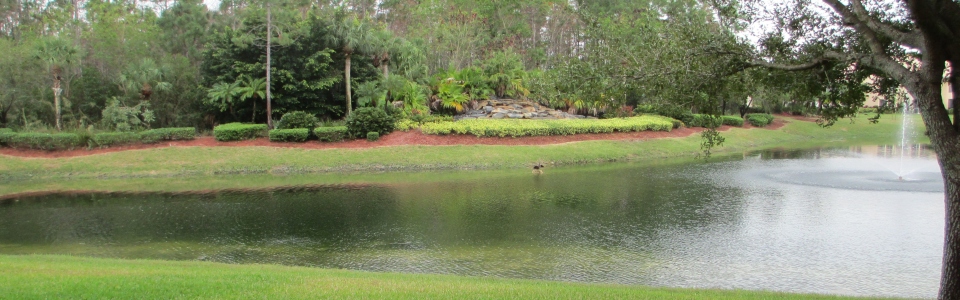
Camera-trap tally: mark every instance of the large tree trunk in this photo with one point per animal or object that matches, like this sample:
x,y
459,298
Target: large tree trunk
x,y
346,73
56,100
946,143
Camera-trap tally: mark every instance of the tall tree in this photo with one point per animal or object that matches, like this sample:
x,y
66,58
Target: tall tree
x,y
911,42
350,35
143,78
57,55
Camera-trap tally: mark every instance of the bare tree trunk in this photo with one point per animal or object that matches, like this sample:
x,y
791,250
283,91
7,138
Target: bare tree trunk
x,y
254,118
56,100
346,71
269,110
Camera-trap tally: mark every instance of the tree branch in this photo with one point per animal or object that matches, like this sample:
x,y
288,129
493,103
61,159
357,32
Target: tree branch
x,y
805,66
911,39
850,19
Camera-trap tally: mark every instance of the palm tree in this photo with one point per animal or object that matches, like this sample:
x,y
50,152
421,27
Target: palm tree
x,y
349,35
56,55
223,95
252,88
383,43
144,77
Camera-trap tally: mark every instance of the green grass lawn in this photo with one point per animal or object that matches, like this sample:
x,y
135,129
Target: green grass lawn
x,y
192,166
58,277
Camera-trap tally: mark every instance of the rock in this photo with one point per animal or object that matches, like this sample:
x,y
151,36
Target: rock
x,y
527,115
499,115
488,108
515,116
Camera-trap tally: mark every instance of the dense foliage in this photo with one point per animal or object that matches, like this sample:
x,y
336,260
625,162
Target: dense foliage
x,y
759,120
369,119
45,141
238,131
331,134
168,134
518,128
298,119
298,135
107,139
373,136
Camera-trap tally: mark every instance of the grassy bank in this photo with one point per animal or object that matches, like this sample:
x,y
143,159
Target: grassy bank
x,y
51,277
188,163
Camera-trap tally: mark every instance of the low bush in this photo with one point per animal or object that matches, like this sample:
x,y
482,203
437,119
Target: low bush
x,y
516,128
238,131
676,123
705,121
369,119
45,141
373,136
5,135
168,134
759,120
732,121
406,125
108,139
331,134
298,119
297,135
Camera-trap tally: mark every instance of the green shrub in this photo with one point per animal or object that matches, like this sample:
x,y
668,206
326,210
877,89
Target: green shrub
x,y
46,141
705,121
331,134
406,125
516,128
732,121
759,120
5,135
373,136
676,123
298,119
238,131
645,109
108,139
674,111
168,134
298,135
369,119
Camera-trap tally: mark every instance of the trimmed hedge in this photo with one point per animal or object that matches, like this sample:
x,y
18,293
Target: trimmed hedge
x,y
297,135
331,134
516,128
45,141
406,125
732,121
168,134
5,135
238,131
759,120
298,119
706,121
373,136
367,119
107,139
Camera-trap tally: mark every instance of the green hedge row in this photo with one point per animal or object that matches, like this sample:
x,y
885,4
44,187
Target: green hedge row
x,y
759,120
297,135
107,139
44,141
168,134
516,128
238,131
331,134
732,121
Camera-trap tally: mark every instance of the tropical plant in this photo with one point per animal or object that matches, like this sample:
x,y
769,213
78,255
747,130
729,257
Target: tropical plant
x,y
223,95
143,78
370,93
504,72
449,92
57,54
119,117
252,88
350,36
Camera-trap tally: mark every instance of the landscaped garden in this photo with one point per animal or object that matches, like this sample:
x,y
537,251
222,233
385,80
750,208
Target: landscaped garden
x,y
491,149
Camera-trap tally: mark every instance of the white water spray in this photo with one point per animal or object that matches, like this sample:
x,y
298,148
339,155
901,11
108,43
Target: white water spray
x,y
903,139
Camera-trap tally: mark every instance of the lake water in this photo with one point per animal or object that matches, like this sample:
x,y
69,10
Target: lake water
x,y
820,221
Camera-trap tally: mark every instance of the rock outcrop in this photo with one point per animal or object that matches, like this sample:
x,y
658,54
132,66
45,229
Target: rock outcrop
x,y
513,109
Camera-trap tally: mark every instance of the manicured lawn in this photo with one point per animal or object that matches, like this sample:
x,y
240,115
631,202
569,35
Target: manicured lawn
x,y
58,277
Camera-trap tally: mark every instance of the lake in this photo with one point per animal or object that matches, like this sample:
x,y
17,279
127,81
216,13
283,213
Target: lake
x,y
833,221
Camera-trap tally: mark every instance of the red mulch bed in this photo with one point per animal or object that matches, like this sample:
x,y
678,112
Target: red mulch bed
x,y
393,139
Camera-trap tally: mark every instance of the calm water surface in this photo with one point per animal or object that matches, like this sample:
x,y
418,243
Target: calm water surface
x,y
820,221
